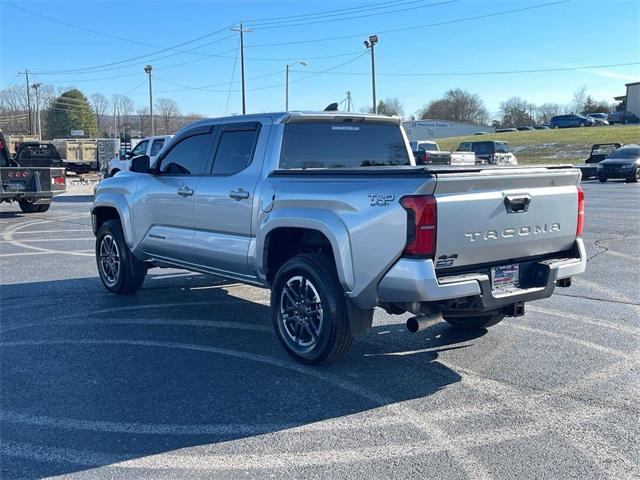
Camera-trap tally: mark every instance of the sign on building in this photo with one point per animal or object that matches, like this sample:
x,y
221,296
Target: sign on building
x,y
77,133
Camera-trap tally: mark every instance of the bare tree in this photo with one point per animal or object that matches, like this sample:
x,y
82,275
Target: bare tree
x,y
546,111
168,112
142,114
390,106
457,105
516,111
579,99
100,106
124,108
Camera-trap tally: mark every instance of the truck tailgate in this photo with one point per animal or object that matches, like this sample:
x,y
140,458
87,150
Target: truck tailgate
x,y
498,215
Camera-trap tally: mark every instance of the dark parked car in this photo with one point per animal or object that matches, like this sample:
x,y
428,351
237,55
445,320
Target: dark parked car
x,y
623,163
542,127
524,128
622,117
506,130
572,120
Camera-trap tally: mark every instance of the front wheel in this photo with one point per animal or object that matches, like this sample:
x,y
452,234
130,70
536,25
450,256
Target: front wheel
x,y
477,322
602,179
120,272
635,178
309,310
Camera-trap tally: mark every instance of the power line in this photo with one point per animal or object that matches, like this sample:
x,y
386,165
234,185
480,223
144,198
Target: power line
x,y
495,72
104,66
414,27
358,16
333,12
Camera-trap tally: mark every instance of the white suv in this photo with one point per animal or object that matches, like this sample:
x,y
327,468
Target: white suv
x,y
150,146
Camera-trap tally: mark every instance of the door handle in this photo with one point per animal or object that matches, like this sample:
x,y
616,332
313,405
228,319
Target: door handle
x,y
238,194
517,204
185,192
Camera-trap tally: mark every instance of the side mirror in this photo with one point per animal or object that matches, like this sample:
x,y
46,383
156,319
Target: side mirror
x,y
127,155
140,164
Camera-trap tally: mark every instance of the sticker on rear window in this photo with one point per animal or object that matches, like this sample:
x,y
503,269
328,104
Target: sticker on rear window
x,y
341,127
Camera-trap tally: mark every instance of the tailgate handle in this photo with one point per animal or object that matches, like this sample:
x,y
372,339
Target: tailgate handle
x,y
517,203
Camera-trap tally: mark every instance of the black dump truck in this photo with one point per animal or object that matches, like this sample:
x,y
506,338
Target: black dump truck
x,y
32,176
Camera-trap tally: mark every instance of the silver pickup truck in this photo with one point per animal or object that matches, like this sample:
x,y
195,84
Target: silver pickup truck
x,y
329,211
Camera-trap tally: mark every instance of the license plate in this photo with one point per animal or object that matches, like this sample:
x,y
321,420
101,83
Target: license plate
x,y
15,186
506,277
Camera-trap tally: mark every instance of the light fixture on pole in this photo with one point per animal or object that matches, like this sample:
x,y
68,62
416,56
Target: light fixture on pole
x,y
286,82
148,70
373,39
36,86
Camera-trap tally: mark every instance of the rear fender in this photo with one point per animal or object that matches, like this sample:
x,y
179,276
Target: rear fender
x,y
324,221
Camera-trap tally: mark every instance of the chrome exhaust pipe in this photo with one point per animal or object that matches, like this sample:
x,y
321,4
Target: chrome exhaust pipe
x,y
423,321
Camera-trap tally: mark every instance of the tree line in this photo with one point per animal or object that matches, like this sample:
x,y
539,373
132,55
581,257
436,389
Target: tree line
x,y
461,106
63,110
98,116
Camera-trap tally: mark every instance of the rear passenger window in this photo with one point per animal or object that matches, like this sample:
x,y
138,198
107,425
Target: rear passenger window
x,y
188,157
236,148
156,146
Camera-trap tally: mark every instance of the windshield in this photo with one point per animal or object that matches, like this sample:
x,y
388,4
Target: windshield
x,y
626,153
342,145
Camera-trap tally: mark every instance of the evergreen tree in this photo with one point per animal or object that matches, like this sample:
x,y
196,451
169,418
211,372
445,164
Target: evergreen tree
x,y
70,111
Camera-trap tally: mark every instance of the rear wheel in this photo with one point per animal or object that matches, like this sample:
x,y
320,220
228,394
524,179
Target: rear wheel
x,y
602,179
44,207
28,207
309,310
120,272
478,322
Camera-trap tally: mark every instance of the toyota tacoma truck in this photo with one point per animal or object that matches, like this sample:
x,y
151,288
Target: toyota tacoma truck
x,y
330,212
32,177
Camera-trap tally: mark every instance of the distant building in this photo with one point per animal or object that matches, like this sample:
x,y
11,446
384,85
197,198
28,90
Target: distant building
x,y
430,129
631,101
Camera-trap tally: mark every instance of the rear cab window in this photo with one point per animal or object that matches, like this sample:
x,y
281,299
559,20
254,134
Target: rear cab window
x,y
340,144
156,146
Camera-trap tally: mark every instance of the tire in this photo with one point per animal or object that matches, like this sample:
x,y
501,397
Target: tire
x,y
43,207
478,322
28,207
583,125
602,179
120,272
635,178
309,310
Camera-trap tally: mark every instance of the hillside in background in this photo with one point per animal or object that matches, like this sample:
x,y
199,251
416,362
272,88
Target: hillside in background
x,y
567,145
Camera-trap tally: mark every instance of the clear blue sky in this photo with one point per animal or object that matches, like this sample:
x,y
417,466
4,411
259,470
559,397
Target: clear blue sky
x,y
566,34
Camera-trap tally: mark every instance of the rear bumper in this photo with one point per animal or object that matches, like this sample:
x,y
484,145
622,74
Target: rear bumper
x,y
414,280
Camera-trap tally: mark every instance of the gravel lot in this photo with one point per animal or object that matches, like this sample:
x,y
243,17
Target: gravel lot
x,y
187,379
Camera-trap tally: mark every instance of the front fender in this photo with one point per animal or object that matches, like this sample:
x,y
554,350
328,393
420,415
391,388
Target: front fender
x,y
116,196
324,221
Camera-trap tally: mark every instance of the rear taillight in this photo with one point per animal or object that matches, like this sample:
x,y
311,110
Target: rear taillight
x,y
57,180
580,225
425,158
421,225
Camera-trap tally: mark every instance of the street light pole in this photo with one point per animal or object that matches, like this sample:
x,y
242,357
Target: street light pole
x,y
286,83
373,39
148,70
36,86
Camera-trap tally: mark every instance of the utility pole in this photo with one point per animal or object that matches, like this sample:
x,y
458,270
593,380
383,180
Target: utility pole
x,y
148,70
242,31
373,39
26,74
286,83
349,102
36,86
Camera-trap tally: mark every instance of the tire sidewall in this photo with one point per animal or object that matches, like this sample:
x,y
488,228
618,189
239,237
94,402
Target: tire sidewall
x,y
113,228
330,309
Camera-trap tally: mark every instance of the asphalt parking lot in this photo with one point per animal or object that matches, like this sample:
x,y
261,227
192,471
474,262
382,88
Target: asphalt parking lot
x,y
187,379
